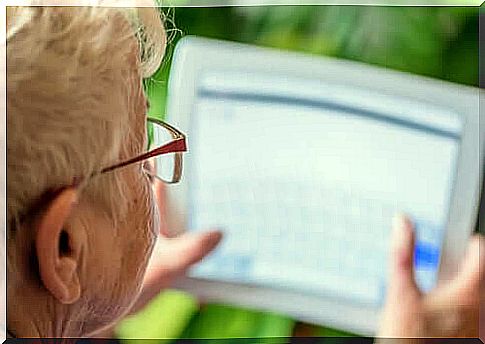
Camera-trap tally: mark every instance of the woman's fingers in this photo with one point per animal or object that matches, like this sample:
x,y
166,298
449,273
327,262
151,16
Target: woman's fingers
x,y
171,258
471,276
466,288
175,255
451,310
191,248
402,283
402,313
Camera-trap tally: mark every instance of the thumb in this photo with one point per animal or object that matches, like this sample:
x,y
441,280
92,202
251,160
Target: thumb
x,y
401,281
171,258
178,254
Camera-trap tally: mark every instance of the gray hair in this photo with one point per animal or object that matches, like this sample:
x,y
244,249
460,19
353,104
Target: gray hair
x,y
69,98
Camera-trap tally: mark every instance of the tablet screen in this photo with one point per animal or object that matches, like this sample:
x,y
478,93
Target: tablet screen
x,y
305,178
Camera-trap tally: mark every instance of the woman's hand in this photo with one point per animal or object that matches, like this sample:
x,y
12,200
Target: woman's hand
x,y
450,310
172,256
171,259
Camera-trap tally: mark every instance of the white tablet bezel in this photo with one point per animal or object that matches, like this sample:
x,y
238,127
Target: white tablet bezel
x,y
193,55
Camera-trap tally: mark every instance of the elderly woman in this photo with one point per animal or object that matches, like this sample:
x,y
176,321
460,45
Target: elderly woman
x,y
81,227
85,204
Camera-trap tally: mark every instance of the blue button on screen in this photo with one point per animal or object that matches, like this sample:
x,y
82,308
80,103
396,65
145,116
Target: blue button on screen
x,y
426,255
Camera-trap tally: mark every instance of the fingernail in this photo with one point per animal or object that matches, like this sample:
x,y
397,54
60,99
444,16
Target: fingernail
x,y
399,221
217,231
400,234
215,235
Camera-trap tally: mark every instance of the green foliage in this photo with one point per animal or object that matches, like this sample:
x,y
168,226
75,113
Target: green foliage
x,y
439,42
223,321
164,318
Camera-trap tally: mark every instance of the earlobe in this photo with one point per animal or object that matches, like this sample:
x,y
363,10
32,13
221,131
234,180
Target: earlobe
x,y
57,249
69,278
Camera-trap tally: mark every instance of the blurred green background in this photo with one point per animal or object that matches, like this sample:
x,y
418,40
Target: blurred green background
x,y
438,42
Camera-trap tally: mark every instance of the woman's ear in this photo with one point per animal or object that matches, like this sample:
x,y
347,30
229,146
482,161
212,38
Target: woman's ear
x,y
58,248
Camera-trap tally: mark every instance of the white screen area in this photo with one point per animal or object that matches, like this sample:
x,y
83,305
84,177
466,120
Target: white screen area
x,y
305,188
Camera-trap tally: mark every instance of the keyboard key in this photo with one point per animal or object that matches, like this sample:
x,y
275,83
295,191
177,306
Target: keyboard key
x,y
426,255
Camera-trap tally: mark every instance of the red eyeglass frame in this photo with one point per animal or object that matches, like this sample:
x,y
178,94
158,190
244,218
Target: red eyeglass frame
x,y
177,145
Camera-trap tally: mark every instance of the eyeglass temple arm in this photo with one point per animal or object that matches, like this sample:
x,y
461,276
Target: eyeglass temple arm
x,y
174,131
178,145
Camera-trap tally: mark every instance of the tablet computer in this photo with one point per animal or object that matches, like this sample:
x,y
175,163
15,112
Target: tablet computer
x,y
303,161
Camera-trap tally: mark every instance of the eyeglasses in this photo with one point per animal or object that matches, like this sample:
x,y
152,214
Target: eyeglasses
x,y
165,153
164,157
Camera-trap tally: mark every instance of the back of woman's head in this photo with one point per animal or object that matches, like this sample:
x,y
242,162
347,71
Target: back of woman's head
x,y
69,96
74,89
